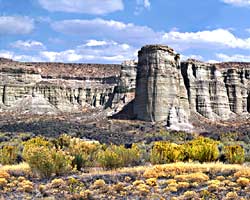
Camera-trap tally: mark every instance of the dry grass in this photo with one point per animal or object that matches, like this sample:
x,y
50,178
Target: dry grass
x,y
174,181
19,169
173,169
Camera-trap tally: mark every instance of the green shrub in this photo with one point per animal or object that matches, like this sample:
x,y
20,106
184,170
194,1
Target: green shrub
x,y
84,153
118,156
38,142
129,156
44,159
39,159
63,141
61,162
202,149
109,159
8,154
166,152
234,154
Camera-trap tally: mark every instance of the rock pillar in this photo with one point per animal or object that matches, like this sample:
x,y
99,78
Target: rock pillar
x,y
160,90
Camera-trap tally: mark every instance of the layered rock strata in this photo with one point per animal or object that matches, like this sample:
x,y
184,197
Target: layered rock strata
x,y
217,91
160,90
64,87
167,90
162,87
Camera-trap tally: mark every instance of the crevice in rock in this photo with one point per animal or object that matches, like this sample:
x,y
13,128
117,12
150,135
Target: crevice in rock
x,y
248,102
4,91
194,70
186,79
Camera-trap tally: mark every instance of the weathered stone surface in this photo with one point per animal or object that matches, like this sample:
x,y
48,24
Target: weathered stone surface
x,y
167,90
217,91
66,87
160,89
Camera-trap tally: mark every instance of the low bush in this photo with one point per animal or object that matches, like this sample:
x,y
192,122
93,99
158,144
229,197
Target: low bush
x,y
44,159
234,154
39,159
202,150
166,152
8,154
63,141
61,162
84,153
118,156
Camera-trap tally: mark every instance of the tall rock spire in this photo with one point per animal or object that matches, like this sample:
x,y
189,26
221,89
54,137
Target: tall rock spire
x,y
160,90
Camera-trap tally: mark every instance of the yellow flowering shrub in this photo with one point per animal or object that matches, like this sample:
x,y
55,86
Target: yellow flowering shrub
x,y
234,154
83,152
44,159
166,152
118,156
99,184
202,149
25,186
8,154
192,177
3,182
242,181
4,174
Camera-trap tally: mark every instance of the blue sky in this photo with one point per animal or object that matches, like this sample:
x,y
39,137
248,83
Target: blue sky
x,y
110,31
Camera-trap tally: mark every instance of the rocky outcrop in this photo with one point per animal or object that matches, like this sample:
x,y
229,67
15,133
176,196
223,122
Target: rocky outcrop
x,y
157,88
160,89
167,90
66,87
217,91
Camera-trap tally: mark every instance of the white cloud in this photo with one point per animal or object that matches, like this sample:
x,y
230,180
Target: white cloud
x,y
28,45
141,5
196,57
98,7
93,43
6,54
237,2
213,61
15,25
109,30
147,4
16,57
27,58
95,51
218,37
236,57
63,56
108,51
140,35
144,3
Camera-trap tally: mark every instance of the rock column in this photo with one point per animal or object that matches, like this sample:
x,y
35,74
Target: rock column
x,y
160,90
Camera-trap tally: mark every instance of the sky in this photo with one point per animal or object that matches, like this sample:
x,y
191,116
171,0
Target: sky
x,y
111,31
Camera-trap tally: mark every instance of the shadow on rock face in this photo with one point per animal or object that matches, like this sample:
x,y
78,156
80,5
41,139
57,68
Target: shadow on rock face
x,y
126,113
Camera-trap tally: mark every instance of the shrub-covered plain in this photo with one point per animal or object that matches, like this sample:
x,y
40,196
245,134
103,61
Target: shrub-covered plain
x,y
71,168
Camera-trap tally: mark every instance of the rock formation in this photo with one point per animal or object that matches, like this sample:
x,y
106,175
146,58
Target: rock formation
x,y
217,91
66,87
167,90
160,90
162,87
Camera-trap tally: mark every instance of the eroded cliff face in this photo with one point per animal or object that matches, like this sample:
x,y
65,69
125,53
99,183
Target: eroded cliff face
x,y
162,87
56,87
167,90
217,91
